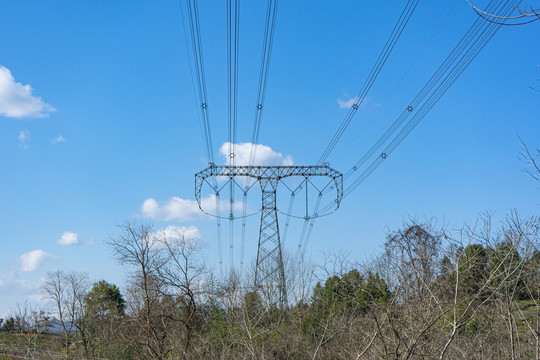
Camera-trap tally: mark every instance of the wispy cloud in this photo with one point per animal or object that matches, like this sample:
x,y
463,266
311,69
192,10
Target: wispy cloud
x,y
68,238
17,101
24,139
174,208
32,260
264,155
346,104
174,233
11,283
58,139
366,102
182,210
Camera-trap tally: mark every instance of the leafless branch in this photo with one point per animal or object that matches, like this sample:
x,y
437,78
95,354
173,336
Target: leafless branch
x,y
532,160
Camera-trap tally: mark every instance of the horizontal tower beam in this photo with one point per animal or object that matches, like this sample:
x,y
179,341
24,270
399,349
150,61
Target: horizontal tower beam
x,y
269,173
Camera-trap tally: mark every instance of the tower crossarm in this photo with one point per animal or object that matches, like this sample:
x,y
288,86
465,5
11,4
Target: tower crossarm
x,y
269,173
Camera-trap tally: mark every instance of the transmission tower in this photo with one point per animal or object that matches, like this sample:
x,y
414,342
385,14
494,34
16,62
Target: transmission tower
x,y
269,270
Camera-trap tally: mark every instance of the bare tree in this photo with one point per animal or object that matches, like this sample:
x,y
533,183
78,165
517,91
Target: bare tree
x,y
29,322
529,313
66,291
165,288
181,269
137,247
532,159
484,264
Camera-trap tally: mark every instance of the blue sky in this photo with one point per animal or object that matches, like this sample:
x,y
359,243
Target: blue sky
x,y
98,119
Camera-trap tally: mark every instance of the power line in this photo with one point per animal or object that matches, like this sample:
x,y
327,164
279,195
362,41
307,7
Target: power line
x,y
398,84
233,13
268,40
453,66
374,73
198,64
398,29
504,20
198,59
469,46
233,32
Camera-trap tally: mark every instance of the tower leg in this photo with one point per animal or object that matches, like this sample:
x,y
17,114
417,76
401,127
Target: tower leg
x,y
269,271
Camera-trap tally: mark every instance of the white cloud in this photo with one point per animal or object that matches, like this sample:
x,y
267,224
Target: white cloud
x,y
30,261
37,297
68,238
16,99
175,235
58,139
10,283
184,209
264,155
15,290
24,139
182,233
173,209
346,104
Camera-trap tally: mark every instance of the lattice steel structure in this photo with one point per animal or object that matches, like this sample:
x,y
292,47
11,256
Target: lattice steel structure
x,y
269,266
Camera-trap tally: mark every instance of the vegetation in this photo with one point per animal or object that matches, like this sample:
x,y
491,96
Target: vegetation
x,y
432,294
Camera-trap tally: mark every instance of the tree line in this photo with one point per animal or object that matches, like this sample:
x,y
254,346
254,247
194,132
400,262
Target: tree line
x,y
470,293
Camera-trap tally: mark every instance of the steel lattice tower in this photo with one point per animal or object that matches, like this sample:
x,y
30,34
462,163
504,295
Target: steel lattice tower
x,y
269,271
269,257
